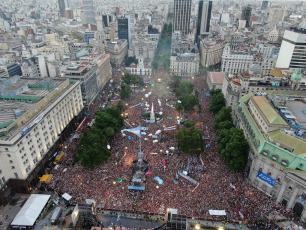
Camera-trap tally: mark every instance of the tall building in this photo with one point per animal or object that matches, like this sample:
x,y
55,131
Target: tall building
x,y
124,29
181,17
264,5
276,14
89,13
246,15
292,51
64,5
204,15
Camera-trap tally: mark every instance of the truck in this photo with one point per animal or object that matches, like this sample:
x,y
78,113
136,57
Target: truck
x,y
56,215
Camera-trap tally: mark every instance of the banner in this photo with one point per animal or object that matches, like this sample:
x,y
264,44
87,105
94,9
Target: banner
x,y
266,179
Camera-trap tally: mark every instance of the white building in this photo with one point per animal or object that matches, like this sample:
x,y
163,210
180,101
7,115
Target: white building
x,y
211,50
186,64
140,68
31,126
292,51
235,62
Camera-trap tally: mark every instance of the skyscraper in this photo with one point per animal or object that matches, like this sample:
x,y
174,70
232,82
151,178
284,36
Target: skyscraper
x,y
61,6
264,5
246,15
181,17
292,54
124,31
89,13
204,15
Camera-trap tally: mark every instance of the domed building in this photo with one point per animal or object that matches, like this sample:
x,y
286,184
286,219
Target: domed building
x,y
255,69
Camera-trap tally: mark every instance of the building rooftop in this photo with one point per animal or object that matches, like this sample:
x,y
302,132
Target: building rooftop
x,y
298,146
272,116
217,77
14,107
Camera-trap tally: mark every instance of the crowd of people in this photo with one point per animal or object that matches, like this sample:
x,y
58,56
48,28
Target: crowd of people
x,y
218,188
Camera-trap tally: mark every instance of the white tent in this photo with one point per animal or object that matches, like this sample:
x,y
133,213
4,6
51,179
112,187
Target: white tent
x,y
31,210
66,196
217,212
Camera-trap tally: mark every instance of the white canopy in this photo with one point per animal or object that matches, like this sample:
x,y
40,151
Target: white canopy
x,y
66,196
217,212
31,210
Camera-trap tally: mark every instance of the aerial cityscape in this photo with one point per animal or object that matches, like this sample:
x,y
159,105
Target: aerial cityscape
x,y
173,114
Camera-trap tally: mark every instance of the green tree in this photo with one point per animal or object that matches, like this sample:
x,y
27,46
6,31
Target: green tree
x,y
214,92
224,125
175,83
109,131
188,102
225,114
131,60
125,91
154,64
184,88
120,106
189,124
179,107
190,140
217,102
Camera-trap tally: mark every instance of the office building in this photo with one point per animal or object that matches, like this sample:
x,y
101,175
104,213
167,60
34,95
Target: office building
x,y
89,12
181,16
124,30
64,8
264,5
204,15
61,6
246,15
292,51
34,114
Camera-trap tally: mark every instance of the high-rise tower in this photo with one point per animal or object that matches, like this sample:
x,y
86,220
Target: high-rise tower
x,y
204,15
89,13
124,31
246,15
181,17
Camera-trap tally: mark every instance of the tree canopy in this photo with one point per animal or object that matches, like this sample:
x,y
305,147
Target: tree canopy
x,y
131,60
217,102
184,88
225,114
190,140
94,142
188,102
125,91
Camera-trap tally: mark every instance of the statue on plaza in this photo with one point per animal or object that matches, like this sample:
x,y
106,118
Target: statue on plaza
x,y
152,115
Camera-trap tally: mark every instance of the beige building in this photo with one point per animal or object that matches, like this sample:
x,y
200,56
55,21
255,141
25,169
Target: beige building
x,y
277,14
185,65
34,114
118,51
211,52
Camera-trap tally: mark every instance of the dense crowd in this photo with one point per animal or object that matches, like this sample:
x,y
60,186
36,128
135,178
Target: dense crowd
x,y
217,189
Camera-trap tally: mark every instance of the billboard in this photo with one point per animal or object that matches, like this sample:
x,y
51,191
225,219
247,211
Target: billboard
x,y
266,179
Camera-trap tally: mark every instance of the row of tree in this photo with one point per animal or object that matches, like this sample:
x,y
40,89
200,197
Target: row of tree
x,y
232,144
94,150
162,54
